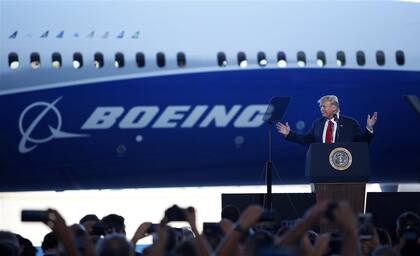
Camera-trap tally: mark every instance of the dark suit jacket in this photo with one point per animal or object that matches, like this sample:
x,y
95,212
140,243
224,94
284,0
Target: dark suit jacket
x,y
348,131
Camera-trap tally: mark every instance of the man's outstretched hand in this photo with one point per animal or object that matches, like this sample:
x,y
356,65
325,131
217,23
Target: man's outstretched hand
x,y
371,120
283,128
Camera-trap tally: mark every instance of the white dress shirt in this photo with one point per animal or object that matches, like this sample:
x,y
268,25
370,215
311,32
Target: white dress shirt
x,y
334,129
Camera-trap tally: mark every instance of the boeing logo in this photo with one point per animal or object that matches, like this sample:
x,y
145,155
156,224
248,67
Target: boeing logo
x,y
139,117
181,116
55,132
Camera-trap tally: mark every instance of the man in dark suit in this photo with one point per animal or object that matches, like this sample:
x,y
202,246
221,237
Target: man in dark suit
x,y
331,127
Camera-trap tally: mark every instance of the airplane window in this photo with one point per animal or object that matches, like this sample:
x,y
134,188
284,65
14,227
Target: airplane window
x,y
35,60
341,59
399,56
56,61
301,59
242,62
360,58
262,59
321,60
140,59
77,60
281,59
98,60
221,59
181,59
380,58
119,60
13,60
160,59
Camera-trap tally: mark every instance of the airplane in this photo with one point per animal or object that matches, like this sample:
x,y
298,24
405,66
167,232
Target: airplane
x,y
137,94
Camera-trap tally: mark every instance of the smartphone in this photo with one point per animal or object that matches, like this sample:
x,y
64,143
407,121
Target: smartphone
x,y
365,226
34,215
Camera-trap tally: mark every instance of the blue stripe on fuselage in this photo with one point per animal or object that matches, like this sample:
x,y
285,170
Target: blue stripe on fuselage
x,y
209,155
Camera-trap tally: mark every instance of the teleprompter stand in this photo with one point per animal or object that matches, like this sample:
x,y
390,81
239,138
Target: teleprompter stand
x,y
275,112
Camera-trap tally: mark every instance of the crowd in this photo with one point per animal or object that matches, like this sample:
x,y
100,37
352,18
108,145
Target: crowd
x,y
252,232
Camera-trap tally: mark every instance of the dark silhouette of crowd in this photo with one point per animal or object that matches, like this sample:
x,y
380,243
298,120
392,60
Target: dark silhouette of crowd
x,y
252,232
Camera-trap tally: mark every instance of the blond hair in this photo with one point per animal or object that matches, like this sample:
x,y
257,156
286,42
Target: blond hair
x,y
331,98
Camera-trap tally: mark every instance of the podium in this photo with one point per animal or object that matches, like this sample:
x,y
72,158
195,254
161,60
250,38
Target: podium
x,y
339,171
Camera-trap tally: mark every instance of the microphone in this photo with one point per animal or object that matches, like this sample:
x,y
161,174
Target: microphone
x,y
337,130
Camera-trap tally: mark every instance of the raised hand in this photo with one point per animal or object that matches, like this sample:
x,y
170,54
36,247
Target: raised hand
x,y
141,232
64,234
250,216
190,217
283,128
371,120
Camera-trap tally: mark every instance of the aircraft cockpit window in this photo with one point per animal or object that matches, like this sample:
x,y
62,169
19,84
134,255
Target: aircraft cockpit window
x,y
399,56
360,58
140,60
281,60
35,60
321,60
221,59
242,62
160,59
380,58
341,59
56,61
98,60
13,60
77,60
119,60
262,59
181,59
301,59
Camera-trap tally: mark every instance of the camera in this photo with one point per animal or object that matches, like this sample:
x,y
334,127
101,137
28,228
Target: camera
x,y
175,213
365,226
34,215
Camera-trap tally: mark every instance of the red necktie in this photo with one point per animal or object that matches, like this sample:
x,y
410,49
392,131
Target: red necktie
x,y
329,133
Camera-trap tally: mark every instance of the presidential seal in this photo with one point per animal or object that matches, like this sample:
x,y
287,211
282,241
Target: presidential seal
x,y
340,159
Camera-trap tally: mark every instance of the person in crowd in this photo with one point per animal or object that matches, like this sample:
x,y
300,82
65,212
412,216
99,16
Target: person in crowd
x,y
408,233
115,244
26,246
50,244
9,244
231,213
113,223
89,221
